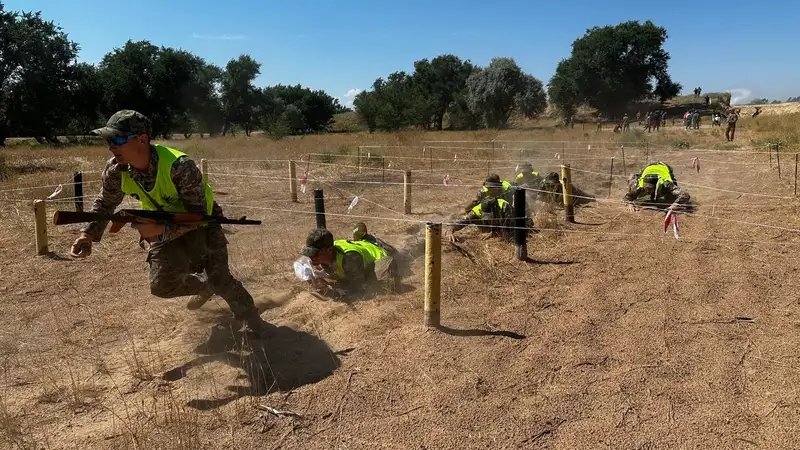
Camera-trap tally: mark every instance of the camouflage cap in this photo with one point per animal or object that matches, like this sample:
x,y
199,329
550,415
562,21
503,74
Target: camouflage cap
x,y
493,180
123,123
317,240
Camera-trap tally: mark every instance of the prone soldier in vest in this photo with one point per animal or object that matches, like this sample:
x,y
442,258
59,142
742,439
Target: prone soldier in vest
x,y
658,184
527,177
353,266
493,187
184,259
491,216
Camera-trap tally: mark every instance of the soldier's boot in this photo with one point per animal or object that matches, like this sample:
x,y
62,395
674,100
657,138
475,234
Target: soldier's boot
x,y
200,299
260,327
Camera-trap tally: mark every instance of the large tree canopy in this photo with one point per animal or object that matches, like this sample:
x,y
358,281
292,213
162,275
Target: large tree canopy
x,y
494,92
612,66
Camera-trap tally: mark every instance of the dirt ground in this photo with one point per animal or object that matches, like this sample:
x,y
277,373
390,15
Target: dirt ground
x,y
613,335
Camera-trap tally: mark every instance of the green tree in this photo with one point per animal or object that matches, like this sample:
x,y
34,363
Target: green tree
x,y
439,81
36,70
563,91
612,66
240,97
496,91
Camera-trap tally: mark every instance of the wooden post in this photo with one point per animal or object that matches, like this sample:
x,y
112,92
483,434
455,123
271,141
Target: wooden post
x,y
770,156
40,216
319,208
358,159
383,169
611,177
646,153
795,174
77,182
521,231
430,161
433,273
624,166
566,184
292,182
204,167
407,192
778,159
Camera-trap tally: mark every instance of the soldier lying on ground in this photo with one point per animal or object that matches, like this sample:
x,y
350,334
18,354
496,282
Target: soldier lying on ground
x,y
491,216
355,268
493,188
527,177
165,179
657,183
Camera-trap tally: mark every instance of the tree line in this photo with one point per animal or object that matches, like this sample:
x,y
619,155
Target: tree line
x,y
45,92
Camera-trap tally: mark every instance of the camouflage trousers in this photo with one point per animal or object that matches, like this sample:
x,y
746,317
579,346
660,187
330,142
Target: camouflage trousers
x,y
730,131
177,266
387,274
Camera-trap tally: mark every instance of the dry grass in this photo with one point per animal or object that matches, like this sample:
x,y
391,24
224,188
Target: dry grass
x,y
623,349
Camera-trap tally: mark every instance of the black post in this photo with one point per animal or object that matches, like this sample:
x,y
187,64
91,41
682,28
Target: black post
x,y
77,181
520,219
319,207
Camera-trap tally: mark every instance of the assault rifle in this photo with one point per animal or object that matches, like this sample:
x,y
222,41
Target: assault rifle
x,y
119,219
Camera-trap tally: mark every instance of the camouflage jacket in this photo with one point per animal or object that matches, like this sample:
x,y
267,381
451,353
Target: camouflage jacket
x,y
733,117
669,192
185,174
472,218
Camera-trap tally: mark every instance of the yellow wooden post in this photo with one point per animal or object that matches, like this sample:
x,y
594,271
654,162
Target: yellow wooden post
x,y
40,216
407,192
566,184
292,182
433,273
204,167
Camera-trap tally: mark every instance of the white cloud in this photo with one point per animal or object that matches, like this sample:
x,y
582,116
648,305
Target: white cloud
x,y
352,93
220,37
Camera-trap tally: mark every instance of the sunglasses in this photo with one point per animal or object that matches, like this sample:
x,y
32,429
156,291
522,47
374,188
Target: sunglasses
x,y
119,140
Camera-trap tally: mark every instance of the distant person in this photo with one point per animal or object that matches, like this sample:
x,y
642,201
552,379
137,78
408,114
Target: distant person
x,y
757,111
626,123
708,100
732,118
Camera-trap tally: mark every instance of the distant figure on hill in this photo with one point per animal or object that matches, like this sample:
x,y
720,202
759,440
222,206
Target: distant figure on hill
x,y
626,123
657,183
708,100
757,111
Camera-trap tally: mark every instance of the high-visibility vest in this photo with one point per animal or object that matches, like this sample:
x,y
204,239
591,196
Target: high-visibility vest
x,y
164,193
501,204
369,253
663,171
506,187
522,175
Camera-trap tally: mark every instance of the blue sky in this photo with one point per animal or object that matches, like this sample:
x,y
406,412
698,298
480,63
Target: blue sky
x,y
746,47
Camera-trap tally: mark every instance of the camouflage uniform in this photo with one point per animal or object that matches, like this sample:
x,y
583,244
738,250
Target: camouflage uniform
x,y
733,116
358,277
493,181
669,192
489,213
184,251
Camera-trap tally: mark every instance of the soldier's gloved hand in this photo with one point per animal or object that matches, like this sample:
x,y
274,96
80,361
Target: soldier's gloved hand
x,y
451,238
674,207
82,247
630,208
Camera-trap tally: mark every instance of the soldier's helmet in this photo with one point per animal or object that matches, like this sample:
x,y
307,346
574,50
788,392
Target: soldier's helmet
x,y
359,231
525,168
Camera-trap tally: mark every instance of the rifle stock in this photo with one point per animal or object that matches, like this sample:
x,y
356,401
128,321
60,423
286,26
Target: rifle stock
x,y
136,215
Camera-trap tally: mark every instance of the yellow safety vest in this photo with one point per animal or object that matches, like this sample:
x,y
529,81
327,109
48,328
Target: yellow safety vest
x,y
663,172
369,253
522,175
506,187
502,205
164,193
